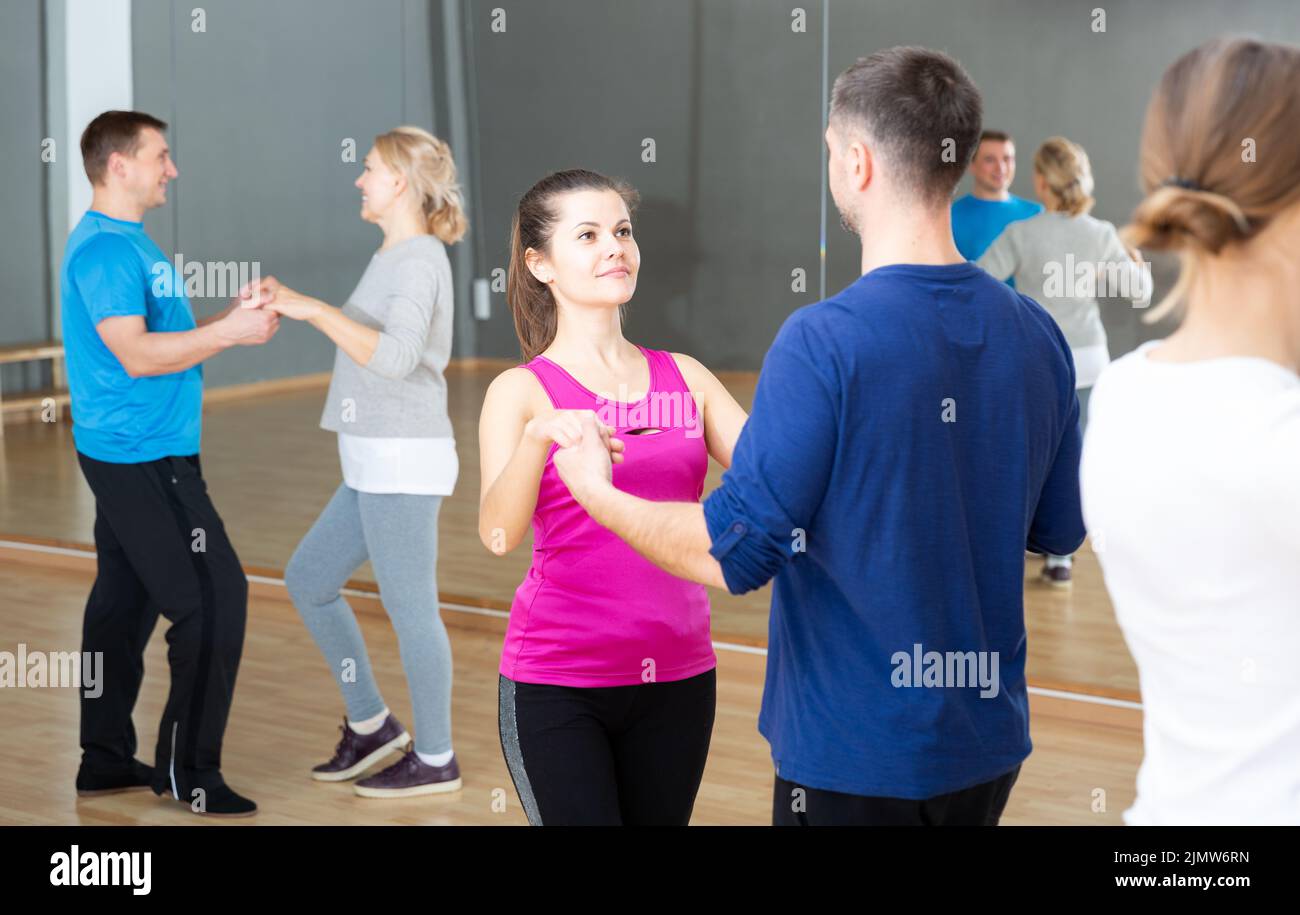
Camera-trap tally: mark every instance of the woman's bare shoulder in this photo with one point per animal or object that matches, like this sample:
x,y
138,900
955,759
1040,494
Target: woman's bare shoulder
x,y
517,386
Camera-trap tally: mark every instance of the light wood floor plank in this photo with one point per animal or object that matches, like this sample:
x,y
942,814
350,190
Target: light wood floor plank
x,y
286,712
270,471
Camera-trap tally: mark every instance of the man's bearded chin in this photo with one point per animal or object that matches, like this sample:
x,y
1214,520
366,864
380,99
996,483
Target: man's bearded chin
x,y
848,223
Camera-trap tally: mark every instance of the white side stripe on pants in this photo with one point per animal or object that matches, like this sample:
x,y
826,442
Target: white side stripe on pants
x,y
514,754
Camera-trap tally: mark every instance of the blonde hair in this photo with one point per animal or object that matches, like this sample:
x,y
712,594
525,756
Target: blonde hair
x,y
1068,174
1203,193
431,173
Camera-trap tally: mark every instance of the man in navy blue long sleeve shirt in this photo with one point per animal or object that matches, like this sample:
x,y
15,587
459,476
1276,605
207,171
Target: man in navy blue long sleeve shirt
x,y
910,437
917,427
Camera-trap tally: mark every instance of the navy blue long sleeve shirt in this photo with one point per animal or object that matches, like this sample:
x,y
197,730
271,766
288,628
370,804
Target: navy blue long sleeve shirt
x,y
910,438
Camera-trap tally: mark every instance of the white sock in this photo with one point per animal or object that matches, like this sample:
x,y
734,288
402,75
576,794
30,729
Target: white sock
x,y
370,725
1056,561
435,759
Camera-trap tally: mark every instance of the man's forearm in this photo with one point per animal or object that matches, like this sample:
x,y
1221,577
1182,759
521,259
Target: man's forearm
x,y
166,352
204,322
672,535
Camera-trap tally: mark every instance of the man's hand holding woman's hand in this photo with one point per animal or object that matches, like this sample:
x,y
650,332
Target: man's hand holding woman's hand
x,y
566,427
243,323
587,454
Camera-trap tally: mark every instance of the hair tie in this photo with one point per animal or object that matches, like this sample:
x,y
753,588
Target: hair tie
x,y
1240,219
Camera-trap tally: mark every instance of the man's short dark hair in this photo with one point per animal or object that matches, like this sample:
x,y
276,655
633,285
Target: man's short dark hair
x,y
920,108
113,132
997,136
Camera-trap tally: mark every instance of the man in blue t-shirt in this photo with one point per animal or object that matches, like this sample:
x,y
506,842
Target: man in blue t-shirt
x,y
980,216
134,352
910,437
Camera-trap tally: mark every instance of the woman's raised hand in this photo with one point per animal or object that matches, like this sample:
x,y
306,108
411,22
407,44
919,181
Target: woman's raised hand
x,y
564,427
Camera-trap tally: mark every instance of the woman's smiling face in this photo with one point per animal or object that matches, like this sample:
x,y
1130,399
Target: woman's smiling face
x,y
593,258
380,187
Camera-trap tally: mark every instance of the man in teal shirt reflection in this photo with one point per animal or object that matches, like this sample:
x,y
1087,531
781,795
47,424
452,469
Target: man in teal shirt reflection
x,y
980,216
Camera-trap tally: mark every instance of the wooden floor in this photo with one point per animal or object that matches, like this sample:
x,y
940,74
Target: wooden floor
x,y
270,470
287,709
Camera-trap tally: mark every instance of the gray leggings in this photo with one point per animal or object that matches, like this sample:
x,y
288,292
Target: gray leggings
x,y
399,534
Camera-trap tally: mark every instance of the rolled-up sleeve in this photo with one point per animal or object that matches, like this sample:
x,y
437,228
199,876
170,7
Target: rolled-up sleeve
x,y
405,333
758,519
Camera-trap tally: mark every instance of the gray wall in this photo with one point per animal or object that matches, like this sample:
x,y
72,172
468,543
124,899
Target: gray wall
x,y
258,106
1043,71
24,293
734,100
731,97
260,102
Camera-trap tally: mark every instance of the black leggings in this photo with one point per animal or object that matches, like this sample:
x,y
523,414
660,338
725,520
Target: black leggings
x,y
608,756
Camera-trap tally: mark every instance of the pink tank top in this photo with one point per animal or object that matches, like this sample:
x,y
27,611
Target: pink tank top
x,y
592,611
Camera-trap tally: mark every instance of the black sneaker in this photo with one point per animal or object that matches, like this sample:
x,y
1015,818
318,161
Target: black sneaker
x,y
356,753
135,776
214,800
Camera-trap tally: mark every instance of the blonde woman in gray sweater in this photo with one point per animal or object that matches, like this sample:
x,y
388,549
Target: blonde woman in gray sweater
x,y
1065,259
388,403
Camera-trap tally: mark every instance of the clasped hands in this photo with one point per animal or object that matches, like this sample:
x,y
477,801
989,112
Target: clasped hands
x,y
253,316
587,453
270,294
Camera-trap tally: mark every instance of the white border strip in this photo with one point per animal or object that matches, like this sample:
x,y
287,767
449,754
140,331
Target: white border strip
x,y
505,614
1084,697
98,76
42,548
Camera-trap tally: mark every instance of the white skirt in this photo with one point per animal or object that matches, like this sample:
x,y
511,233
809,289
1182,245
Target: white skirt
x,y
1088,363
417,466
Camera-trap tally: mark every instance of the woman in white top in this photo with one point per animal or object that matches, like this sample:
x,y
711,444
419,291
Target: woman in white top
x,y
1064,259
388,403
1191,469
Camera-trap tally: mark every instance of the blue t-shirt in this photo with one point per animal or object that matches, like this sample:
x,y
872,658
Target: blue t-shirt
x,y
110,268
910,438
976,223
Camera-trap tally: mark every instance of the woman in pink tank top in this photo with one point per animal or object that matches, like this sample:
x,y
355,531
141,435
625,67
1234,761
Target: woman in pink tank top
x,y
607,680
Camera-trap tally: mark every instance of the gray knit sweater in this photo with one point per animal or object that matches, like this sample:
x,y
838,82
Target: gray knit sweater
x,y
405,294
1051,246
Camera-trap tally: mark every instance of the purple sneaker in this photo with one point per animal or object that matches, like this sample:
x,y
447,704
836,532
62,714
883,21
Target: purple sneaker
x,y
358,752
1056,576
410,776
